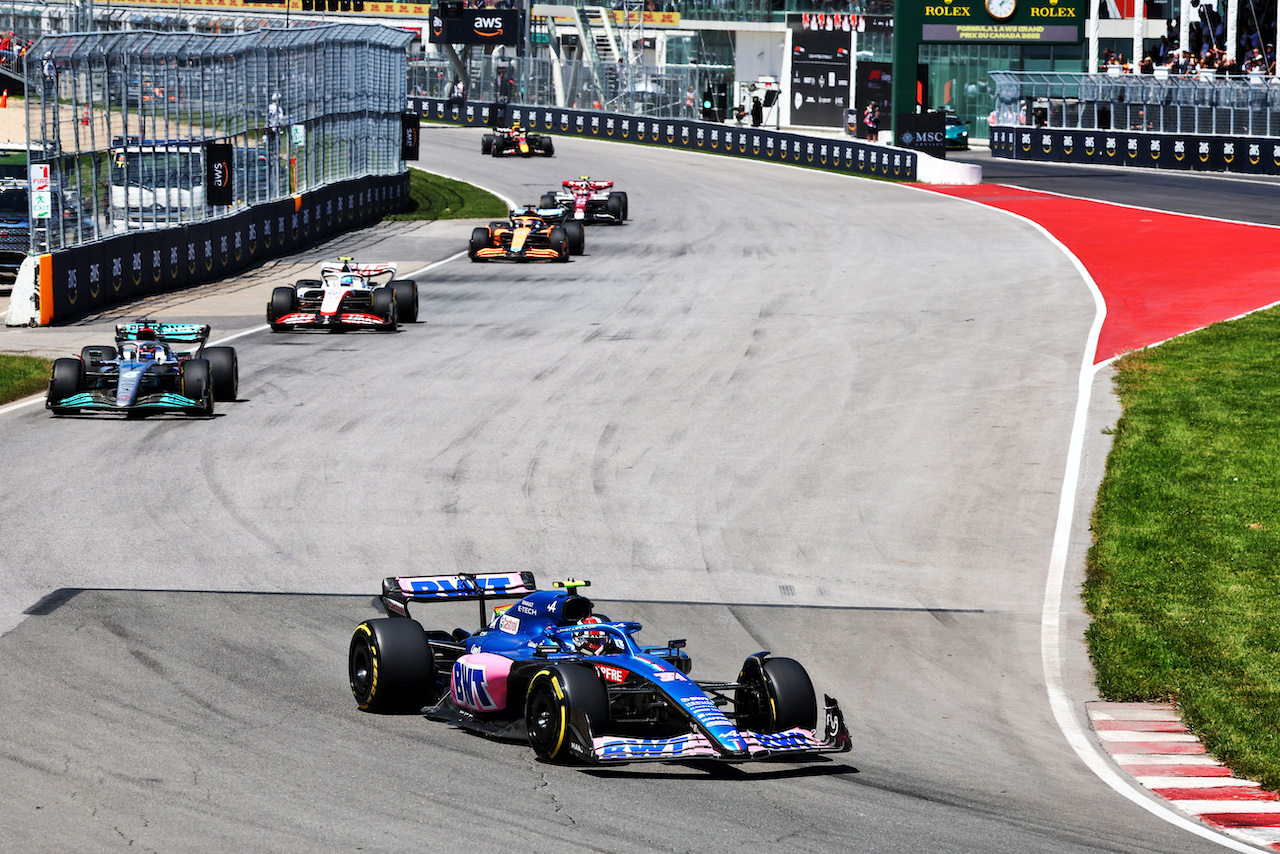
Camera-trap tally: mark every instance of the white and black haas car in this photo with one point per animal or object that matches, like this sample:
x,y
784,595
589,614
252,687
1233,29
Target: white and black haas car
x,y
346,296
575,686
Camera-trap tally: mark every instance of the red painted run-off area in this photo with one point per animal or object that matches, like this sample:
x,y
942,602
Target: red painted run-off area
x,y
1161,274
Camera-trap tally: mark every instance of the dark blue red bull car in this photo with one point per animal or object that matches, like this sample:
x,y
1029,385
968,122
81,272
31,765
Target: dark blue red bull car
x,y
573,684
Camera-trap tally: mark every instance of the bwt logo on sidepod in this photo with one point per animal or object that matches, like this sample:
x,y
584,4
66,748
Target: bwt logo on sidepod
x,y
471,689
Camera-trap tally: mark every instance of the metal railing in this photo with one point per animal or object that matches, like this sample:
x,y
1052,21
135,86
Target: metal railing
x,y
121,121
672,91
1210,105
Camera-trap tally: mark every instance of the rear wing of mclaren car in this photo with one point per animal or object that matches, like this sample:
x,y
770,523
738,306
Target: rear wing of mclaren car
x,y
397,593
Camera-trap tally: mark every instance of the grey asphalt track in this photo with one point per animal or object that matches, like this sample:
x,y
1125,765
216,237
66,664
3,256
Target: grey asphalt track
x,y
777,410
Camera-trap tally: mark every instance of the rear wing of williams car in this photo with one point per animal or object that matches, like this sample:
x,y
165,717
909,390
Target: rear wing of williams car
x,y
398,592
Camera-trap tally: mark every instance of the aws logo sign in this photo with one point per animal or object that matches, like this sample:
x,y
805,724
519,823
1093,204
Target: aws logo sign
x,y
487,27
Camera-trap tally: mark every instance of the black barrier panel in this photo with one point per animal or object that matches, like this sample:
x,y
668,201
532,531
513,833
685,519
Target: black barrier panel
x,y
165,262
98,275
1243,155
755,143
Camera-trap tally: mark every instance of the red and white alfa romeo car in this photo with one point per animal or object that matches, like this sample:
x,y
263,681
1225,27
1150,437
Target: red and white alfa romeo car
x,y
586,201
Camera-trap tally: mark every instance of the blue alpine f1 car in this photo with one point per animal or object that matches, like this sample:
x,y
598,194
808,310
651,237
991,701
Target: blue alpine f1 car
x,y
576,686
153,367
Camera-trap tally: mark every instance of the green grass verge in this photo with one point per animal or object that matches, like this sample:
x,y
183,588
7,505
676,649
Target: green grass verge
x,y
1183,579
22,375
433,197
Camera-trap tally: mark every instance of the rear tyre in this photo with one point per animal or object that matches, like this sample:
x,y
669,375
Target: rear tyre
x,y
406,291
283,301
95,354
479,240
776,697
576,236
66,380
548,200
224,369
384,306
194,381
554,693
626,208
391,667
486,144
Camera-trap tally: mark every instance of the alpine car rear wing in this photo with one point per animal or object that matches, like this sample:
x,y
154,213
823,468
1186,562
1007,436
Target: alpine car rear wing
x,y
398,592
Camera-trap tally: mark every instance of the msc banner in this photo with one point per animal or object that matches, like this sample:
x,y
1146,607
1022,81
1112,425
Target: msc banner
x,y
1246,155
829,153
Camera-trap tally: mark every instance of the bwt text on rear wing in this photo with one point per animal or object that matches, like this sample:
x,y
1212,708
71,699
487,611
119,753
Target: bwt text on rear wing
x,y
397,593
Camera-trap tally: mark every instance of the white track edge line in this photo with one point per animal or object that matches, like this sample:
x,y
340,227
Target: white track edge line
x,y
1050,619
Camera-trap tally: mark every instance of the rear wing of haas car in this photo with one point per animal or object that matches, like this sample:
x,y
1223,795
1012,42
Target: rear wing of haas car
x,y
398,592
350,268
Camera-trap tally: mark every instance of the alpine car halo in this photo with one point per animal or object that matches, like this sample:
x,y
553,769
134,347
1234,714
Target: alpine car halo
x,y
153,367
573,684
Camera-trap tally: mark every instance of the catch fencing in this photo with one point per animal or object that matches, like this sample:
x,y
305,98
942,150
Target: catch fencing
x,y
669,91
119,123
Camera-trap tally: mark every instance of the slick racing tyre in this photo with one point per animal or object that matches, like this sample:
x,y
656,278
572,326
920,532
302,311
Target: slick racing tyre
x,y
195,382
548,200
479,240
283,301
384,306
548,147
554,693
95,354
576,235
406,291
776,697
559,240
391,667
66,380
614,206
486,144
224,369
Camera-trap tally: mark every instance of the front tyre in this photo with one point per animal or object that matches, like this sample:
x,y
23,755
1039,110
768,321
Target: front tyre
x,y
391,667
776,695
479,240
384,306
406,291
559,694
576,235
65,381
195,382
284,301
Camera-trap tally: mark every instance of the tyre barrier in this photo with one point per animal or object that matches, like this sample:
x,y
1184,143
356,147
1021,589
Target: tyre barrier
x,y
1249,155
84,279
832,154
